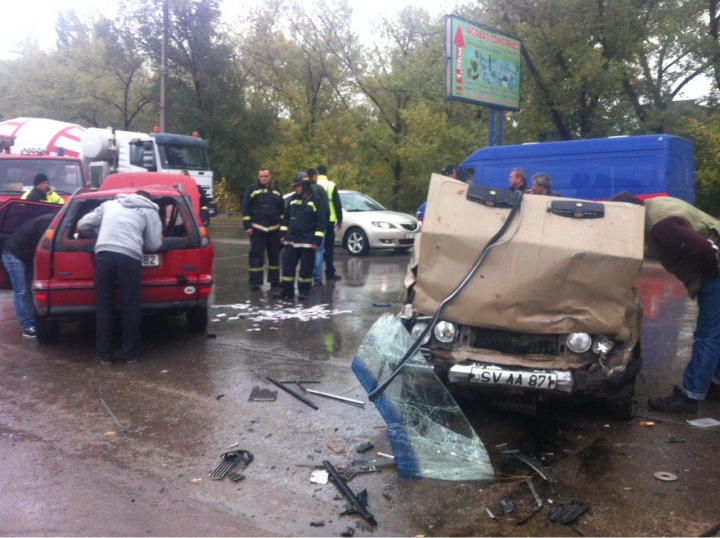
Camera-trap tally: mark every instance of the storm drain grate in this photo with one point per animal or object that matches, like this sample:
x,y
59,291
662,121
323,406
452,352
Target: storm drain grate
x,y
262,395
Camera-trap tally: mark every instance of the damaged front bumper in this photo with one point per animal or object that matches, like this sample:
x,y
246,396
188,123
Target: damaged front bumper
x,y
489,376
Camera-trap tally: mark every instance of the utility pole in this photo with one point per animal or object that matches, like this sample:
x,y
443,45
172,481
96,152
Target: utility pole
x,y
164,69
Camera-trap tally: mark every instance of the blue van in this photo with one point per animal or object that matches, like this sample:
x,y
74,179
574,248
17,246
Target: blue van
x,y
594,169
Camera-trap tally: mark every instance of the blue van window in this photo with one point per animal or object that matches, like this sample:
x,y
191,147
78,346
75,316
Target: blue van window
x,y
566,174
634,174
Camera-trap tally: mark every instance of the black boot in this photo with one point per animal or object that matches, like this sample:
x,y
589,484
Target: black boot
x,y
677,402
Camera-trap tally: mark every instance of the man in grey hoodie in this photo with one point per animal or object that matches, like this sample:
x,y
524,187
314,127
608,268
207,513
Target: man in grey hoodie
x,y
128,225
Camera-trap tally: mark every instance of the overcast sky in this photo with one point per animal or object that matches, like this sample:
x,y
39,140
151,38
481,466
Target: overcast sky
x,y
36,18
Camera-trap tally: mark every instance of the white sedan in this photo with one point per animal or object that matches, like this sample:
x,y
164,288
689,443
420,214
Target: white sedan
x,y
367,224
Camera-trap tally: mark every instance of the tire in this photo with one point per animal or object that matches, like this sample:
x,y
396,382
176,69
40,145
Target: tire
x,y
47,329
197,319
356,242
619,406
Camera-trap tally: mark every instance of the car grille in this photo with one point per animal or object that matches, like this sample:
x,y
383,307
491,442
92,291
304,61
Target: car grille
x,y
518,343
406,241
412,226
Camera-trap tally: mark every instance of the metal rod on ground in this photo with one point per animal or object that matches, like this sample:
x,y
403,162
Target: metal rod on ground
x,y
345,490
293,393
113,416
350,401
712,429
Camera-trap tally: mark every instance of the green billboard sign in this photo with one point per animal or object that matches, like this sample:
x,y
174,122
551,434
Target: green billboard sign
x,y
482,65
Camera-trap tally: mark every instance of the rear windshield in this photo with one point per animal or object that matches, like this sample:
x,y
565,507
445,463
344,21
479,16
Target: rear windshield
x,y
16,175
179,228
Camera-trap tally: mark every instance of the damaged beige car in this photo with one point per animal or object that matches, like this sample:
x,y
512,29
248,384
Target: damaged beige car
x,y
549,312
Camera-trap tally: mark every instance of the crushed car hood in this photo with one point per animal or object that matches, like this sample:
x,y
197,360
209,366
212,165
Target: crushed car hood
x,y
556,275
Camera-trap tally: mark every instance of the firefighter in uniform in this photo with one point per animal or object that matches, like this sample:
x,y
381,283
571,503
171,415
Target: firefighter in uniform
x,y
302,232
263,208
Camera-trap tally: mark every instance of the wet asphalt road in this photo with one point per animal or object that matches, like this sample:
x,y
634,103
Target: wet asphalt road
x,y
87,449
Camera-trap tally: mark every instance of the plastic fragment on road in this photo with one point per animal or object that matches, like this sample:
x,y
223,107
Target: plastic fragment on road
x,y
336,447
704,422
646,424
319,476
665,476
562,515
195,481
430,435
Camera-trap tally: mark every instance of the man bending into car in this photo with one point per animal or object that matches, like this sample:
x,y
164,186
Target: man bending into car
x,y
127,225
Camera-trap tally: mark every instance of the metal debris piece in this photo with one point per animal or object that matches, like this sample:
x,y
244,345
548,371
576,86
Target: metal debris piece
x,y
493,516
507,506
665,476
562,515
228,461
538,501
364,447
317,523
219,396
122,429
293,393
348,532
388,456
672,439
262,395
359,501
536,465
235,477
357,403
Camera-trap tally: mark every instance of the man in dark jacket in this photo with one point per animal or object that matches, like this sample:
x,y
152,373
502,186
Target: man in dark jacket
x,y
263,208
518,180
42,191
684,239
18,256
542,184
302,232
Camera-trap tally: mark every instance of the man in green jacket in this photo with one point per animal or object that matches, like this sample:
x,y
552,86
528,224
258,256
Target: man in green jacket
x,y
684,240
334,221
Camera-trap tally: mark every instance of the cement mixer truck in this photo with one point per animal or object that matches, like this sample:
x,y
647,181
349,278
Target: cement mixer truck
x,y
74,156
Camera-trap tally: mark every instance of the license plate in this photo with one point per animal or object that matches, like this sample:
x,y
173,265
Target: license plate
x,y
409,236
151,260
516,379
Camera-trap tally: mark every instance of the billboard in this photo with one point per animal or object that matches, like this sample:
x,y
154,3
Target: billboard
x,y
482,65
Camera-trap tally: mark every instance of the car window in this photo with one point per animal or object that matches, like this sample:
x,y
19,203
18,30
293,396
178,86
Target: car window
x,y
354,201
179,228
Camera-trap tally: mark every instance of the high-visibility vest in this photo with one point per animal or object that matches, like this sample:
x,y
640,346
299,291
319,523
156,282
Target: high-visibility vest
x,y
52,198
329,187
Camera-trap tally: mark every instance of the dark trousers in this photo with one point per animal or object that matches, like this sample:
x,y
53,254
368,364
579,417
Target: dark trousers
x,y
330,249
259,243
111,267
306,256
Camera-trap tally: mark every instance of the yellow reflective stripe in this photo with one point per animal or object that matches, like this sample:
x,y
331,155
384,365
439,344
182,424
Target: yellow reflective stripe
x,y
272,267
247,218
256,269
313,205
24,196
305,280
320,234
259,191
300,245
283,228
266,229
288,279
296,202
278,193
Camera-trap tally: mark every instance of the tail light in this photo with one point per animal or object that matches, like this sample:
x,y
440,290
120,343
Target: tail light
x,y
205,283
40,294
204,239
47,239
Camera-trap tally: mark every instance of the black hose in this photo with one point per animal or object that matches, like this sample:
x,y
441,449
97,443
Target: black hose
x,y
377,392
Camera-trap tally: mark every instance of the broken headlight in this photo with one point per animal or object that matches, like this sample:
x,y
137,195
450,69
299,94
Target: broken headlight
x,y
602,345
417,330
445,332
578,342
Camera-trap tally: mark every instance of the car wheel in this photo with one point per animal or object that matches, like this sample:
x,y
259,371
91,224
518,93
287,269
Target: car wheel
x,y
619,406
356,242
197,319
47,329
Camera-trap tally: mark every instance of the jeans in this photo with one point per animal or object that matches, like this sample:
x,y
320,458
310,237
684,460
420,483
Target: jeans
x,y
319,259
21,277
704,366
111,267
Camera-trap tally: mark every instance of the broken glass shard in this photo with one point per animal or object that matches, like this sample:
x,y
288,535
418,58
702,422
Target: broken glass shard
x,y
430,435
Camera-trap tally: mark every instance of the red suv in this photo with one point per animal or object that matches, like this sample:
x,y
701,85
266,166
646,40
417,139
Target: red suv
x,y
176,278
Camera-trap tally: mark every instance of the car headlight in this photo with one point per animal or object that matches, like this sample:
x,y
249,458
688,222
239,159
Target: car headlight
x,y
602,345
417,330
445,332
578,342
384,225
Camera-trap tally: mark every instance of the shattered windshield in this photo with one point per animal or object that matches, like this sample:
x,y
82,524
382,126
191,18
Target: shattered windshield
x,y
16,175
430,435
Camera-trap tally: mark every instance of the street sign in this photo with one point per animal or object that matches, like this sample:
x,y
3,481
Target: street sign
x,y
482,65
